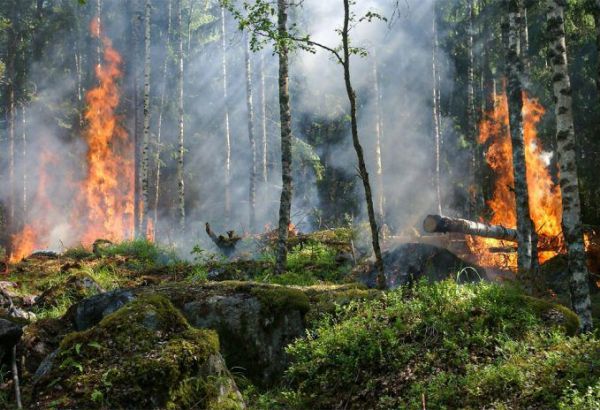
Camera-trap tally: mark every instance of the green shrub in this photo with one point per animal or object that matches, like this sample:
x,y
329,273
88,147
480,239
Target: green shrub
x,y
454,346
142,251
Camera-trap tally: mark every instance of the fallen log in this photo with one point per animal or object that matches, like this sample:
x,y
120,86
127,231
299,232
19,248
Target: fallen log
x,y
444,224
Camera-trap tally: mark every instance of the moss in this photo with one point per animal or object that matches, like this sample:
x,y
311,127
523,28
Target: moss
x,y
554,314
326,299
145,353
278,299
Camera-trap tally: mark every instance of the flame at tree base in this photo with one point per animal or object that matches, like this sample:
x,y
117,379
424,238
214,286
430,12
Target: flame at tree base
x,y
545,200
103,203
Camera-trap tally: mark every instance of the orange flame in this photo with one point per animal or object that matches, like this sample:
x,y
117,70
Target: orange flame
x,y
103,200
106,200
544,194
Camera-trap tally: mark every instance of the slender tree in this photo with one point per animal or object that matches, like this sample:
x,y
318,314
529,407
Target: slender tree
x,y
524,33
24,158
159,127
436,121
364,175
596,6
252,139
145,200
525,230
181,149
263,120
378,138
285,114
471,118
226,116
566,151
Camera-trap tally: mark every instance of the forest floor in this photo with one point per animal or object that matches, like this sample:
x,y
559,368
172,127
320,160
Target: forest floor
x,y
134,326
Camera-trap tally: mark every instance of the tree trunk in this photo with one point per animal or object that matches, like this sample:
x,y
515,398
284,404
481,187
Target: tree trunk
x,y
285,114
378,138
471,120
137,68
163,91
566,152
436,122
11,79
364,175
97,36
24,158
251,137
524,33
442,224
226,118
263,119
526,260
180,151
597,21
146,136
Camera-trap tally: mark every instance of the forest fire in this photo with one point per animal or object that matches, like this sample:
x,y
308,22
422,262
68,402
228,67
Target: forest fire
x,y
103,199
544,194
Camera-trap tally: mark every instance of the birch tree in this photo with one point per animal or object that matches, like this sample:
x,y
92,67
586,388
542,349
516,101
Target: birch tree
x,y
526,252
471,120
181,149
435,113
566,151
378,138
285,115
226,116
163,91
263,120
252,139
145,197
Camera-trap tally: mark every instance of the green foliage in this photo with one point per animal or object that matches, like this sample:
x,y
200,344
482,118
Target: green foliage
x,y
459,346
574,399
78,253
143,252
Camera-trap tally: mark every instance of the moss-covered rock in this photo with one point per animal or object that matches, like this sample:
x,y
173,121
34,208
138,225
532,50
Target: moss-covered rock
x,y
145,355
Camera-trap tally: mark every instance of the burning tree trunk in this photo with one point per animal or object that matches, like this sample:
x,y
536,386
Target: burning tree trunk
x,y
251,137
436,121
565,140
163,91
180,151
263,118
146,136
285,114
226,118
526,239
362,167
378,138
442,224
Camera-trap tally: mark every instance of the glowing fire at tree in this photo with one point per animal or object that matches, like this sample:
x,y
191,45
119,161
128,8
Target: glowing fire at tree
x,y
106,201
103,205
544,195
